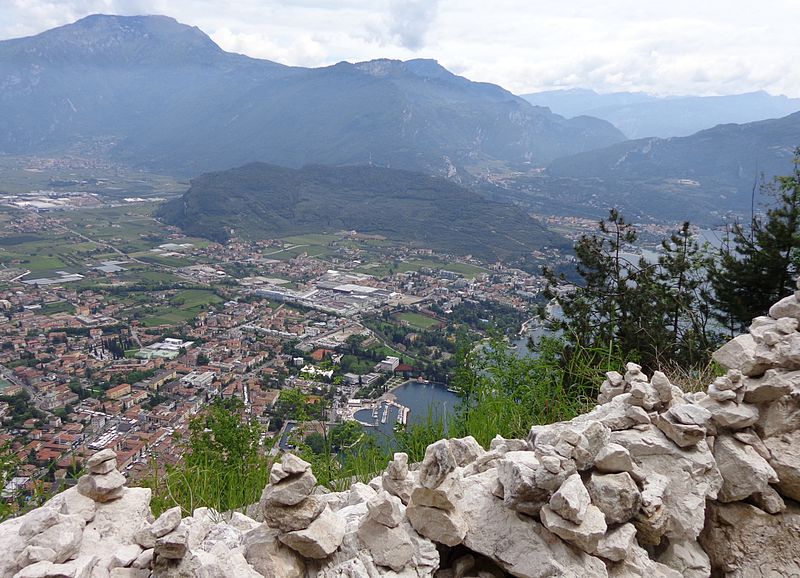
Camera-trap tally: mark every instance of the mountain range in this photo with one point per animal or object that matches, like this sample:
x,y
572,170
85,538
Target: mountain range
x,y
642,115
153,93
259,201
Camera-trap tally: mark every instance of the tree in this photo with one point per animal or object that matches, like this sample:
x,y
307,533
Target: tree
x,y
758,265
615,304
686,291
345,434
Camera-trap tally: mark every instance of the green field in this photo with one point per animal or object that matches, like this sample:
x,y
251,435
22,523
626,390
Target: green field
x,y
381,269
57,307
311,239
417,320
184,306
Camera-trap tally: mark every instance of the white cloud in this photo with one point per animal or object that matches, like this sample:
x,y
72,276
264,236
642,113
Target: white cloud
x,y
680,47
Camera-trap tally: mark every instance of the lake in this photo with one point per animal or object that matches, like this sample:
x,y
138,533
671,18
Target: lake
x,y
421,399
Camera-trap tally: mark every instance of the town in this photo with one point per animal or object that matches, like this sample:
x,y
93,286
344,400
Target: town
x,y
115,330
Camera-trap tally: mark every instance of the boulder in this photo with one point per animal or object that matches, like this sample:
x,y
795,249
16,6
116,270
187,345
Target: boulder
x,y
517,543
786,307
437,463
613,458
687,557
290,490
740,353
744,472
773,385
684,435
442,526
616,495
571,500
742,540
442,496
296,517
522,491
385,509
465,450
102,488
677,483
616,544
389,546
166,522
585,535
785,460
269,557
320,539
174,545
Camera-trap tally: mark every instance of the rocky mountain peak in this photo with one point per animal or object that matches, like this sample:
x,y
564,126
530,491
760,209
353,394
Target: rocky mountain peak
x,y
102,39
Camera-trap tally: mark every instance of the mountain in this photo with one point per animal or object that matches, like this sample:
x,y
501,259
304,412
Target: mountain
x,y
641,115
710,172
259,200
150,92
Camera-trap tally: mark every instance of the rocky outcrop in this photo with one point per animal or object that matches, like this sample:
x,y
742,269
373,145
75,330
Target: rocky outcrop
x,y
653,482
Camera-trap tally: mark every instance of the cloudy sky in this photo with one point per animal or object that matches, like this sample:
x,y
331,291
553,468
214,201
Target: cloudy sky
x,y
657,46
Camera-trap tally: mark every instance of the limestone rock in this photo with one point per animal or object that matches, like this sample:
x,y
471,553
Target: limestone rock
x,y
290,490
125,555
678,482
773,385
744,472
731,415
740,353
688,558
385,509
320,539
102,488
517,543
174,545
442,496
437,463
786,307
613,458
64,538
616,495
100,458
441,526
785,461
166,522
742,540
684,435
616,544
296,517
585,535
571,500
465,450
389,546
269,557
518,473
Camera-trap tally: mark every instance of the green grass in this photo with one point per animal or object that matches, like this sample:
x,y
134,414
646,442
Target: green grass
x,y
417,320
162,260
184,306
311,239
57,307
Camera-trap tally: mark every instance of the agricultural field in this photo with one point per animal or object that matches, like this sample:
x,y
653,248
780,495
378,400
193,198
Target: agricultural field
x,y
182,307
417,320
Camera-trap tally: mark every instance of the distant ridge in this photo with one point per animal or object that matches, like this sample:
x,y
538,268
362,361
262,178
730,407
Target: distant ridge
x,y
642,115
266,201
153,93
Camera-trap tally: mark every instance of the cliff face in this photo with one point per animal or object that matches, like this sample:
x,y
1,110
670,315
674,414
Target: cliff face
x,y
653,482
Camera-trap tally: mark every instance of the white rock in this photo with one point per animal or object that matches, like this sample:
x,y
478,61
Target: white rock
x,y
785,460
389,546
616,544
125,555
290,490
517,543
688,558
102,487
585,535
269,557
616,495
166,522
786,307
437,463
744,471
320,539
385,509
296,517
571,500
613,458
445,527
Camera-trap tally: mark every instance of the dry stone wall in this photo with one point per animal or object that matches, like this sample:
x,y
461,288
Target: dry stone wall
x,y
653,482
